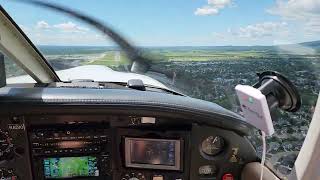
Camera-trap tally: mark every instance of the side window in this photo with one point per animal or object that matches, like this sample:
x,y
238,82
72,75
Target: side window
x,y
14,73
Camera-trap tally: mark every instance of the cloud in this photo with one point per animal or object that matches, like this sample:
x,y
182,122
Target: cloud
x,y
66,27
207,10
304,12
263,33
69,39
296,9
260,30
312,27
219,36
65,33
42,25
212,8
70,27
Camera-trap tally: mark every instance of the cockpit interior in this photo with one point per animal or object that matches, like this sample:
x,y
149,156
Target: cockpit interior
x,y
133,129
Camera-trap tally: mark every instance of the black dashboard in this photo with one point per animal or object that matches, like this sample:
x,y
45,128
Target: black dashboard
x,y
66,133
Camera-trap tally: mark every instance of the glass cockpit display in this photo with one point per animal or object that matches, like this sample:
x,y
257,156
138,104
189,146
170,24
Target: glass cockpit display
x,y
68,167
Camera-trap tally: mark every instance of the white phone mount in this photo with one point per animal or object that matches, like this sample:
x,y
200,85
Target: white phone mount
x,y
255,108
272,91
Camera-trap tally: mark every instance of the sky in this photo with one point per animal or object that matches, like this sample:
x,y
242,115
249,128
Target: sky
x,y
174,22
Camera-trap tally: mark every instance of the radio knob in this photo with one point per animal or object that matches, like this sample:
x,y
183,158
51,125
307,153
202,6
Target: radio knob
x,y
6,147
39,134
7,174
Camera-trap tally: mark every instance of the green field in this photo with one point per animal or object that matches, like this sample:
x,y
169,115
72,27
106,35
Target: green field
x,y
109,58
212,55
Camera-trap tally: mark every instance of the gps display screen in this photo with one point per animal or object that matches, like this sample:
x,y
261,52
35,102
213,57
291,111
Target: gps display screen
x,y
68,167
153,153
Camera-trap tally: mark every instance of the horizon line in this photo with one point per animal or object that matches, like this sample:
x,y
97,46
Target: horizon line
x,y
184,45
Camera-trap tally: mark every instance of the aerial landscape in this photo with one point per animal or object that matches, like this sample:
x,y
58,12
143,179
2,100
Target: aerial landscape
x,y
211,73
202,49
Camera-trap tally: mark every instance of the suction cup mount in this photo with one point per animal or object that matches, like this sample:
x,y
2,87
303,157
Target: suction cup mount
x,y
279,91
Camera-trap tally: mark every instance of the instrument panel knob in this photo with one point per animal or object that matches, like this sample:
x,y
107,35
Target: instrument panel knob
x,y
133,176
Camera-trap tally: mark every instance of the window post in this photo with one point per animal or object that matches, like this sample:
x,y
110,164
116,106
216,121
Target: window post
x,y
2,71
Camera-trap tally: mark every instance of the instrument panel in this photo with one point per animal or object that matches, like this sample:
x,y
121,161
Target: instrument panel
x,y
118,147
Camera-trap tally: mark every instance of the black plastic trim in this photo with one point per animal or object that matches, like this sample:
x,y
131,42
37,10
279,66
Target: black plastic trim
x,y
117,101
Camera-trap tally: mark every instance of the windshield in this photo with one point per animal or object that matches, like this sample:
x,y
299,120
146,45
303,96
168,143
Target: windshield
x,y
200,48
